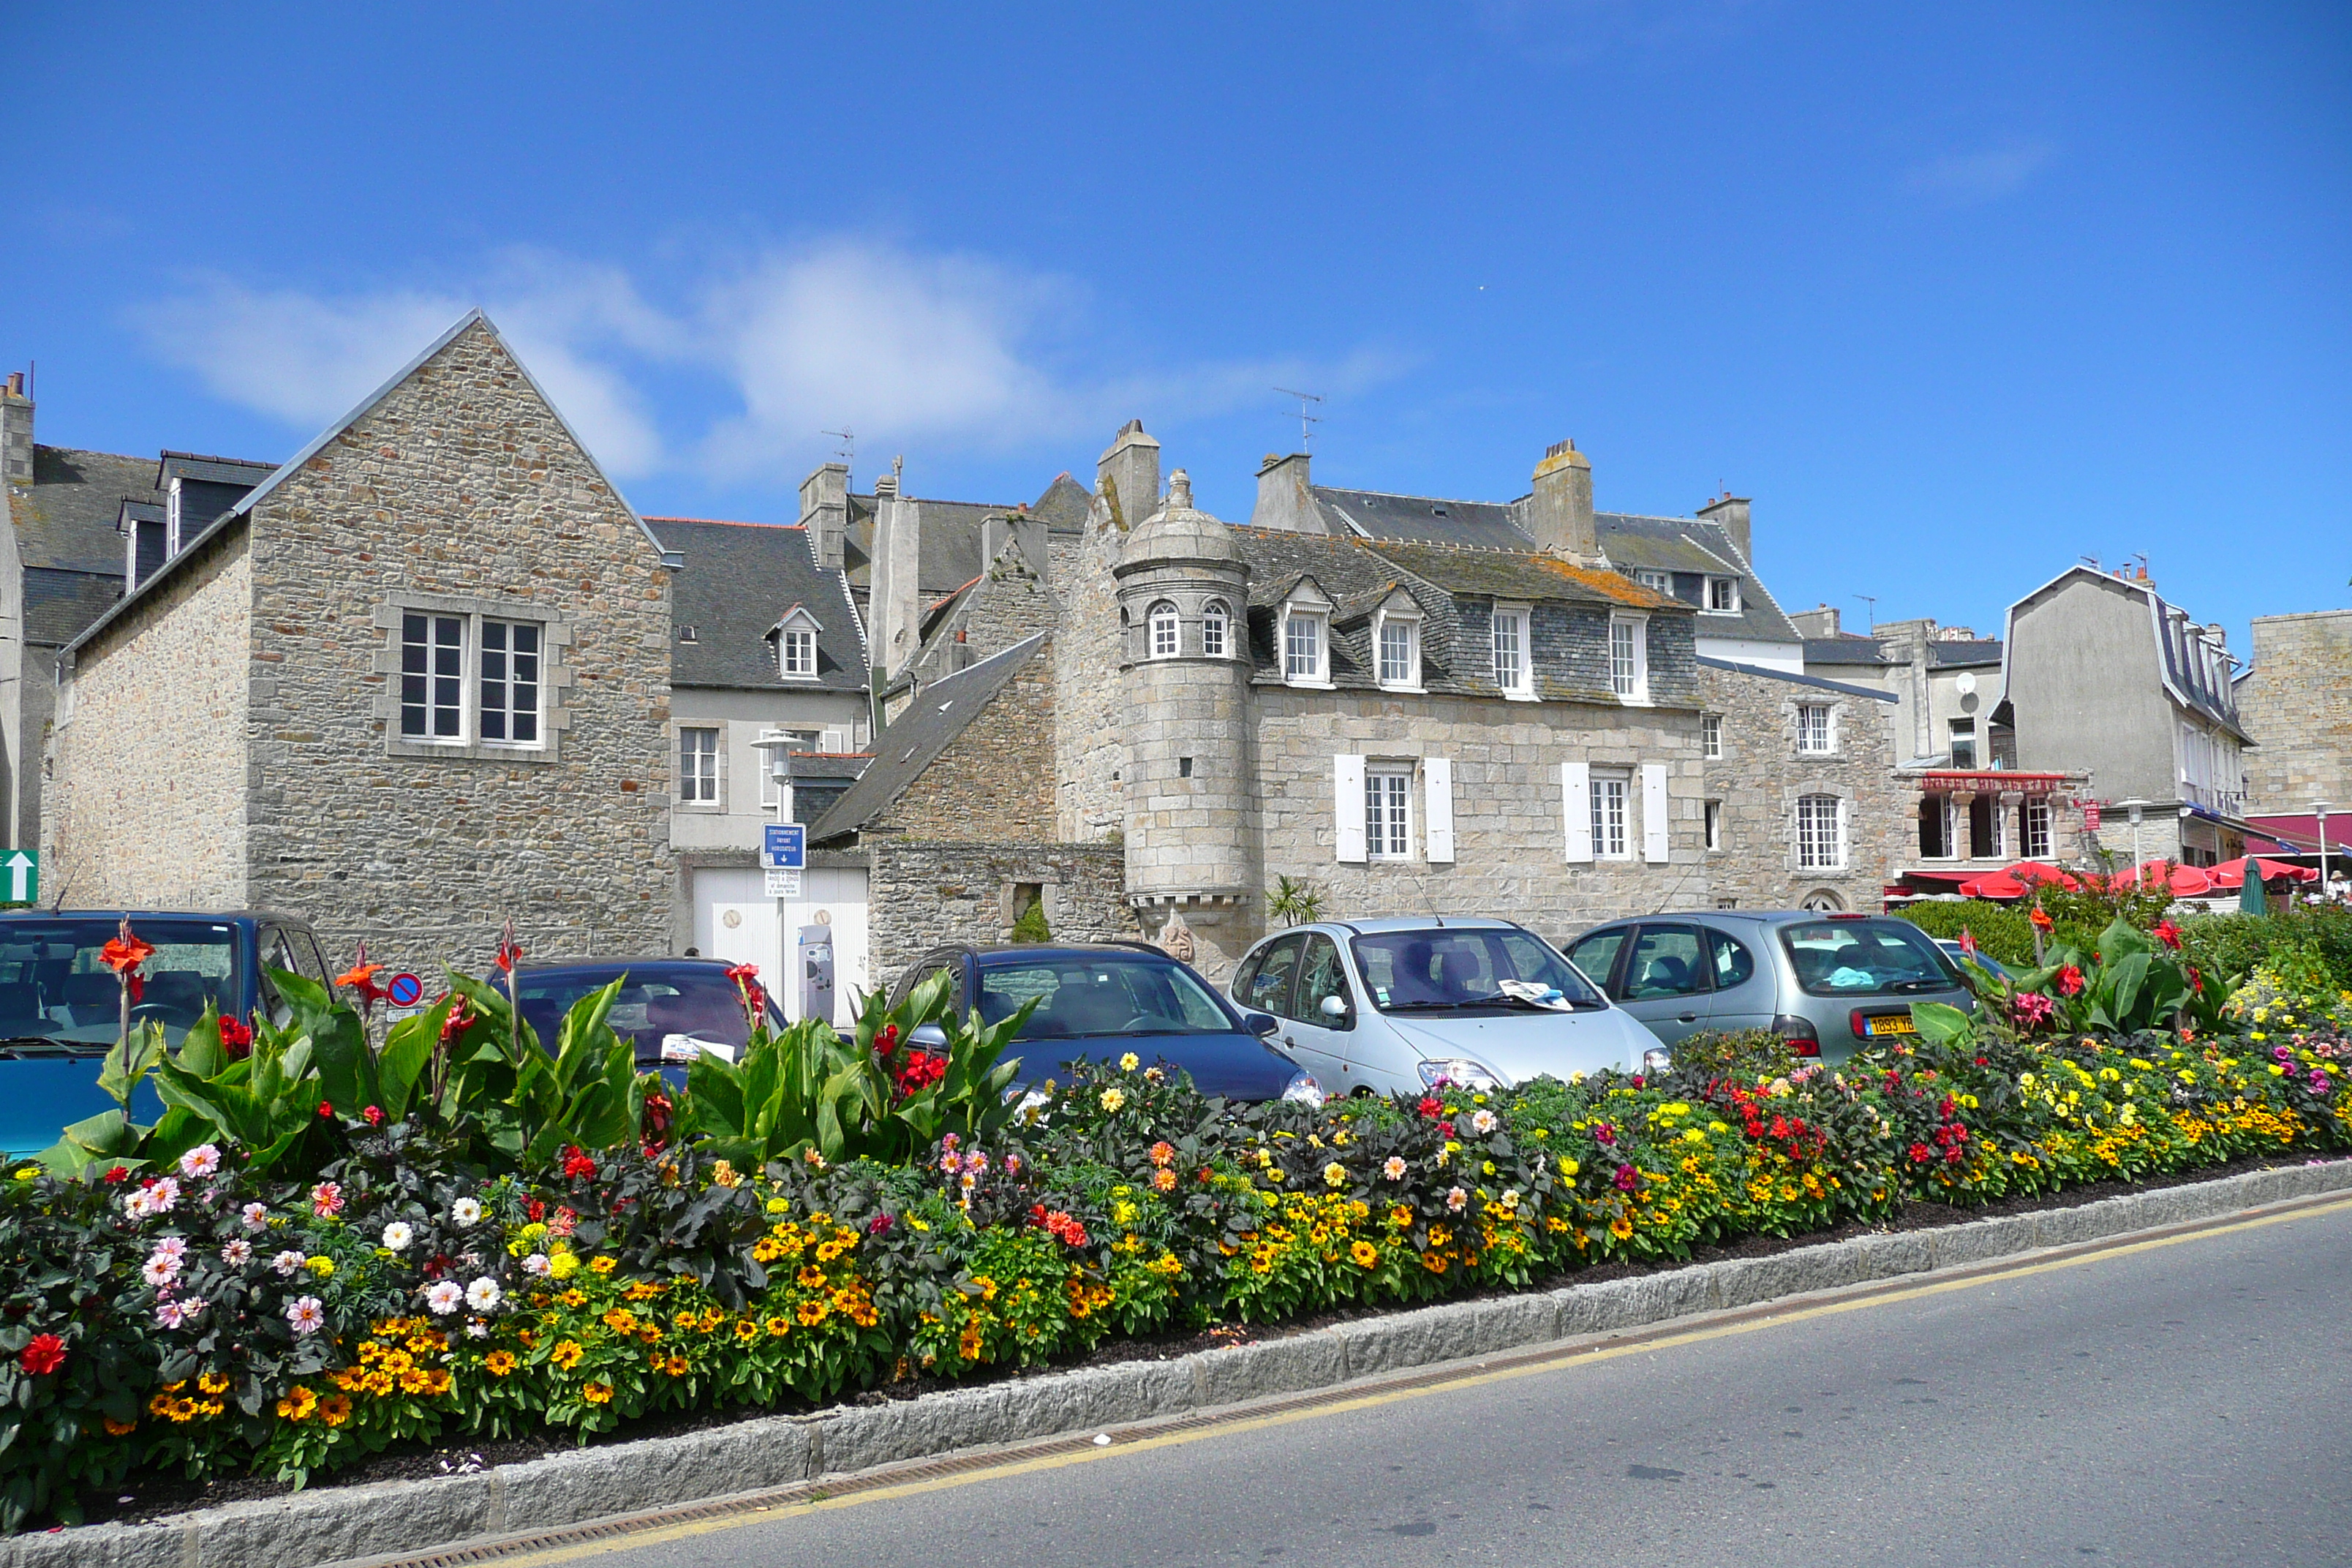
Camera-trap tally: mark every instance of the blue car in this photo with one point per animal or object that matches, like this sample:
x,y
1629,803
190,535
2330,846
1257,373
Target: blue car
x,y
670,1009
61,1006
1102,1001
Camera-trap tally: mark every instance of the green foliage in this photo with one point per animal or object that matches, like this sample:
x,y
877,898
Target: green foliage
x,y
2229,946
1031,925
1296,902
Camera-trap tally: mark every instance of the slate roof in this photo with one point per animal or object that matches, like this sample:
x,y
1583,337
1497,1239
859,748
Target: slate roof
x,y
1064,505
57,605
1963,655
1760,671
940,713
951,542
1522,574
66,519
1376,514
1693,544
739,580
1845,650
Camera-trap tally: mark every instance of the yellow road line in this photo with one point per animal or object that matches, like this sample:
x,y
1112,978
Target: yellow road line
x,y
1377,1397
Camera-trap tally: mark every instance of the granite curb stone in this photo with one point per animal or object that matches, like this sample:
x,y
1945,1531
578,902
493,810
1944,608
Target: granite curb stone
x,y
351,1524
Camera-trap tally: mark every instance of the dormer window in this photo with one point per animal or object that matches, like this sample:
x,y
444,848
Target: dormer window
x,y
795,637
1723,596
1656,582
1214,620
1163,630
1396,644
1513,654
1305,619
1629,657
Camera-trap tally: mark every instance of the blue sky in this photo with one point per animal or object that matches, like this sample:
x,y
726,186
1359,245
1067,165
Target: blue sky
x,y
1956,294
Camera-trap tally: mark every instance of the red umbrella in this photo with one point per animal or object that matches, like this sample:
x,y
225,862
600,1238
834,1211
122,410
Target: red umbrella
x,y
1993,885
2183,882
2039,871
2232,873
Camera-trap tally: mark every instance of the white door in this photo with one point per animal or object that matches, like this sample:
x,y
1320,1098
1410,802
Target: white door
x,y
835,897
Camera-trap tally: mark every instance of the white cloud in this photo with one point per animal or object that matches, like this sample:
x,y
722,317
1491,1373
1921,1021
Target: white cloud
x,y
1967,178
913,350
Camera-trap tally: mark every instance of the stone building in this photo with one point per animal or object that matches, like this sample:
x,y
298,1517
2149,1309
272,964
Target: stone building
x,y
415,682
82,525
2295,701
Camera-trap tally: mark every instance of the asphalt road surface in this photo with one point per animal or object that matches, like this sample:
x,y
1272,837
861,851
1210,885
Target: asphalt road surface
x,y
2181,1404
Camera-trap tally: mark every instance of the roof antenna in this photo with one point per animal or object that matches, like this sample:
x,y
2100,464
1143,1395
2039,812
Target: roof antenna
x,y
1306,422
847,450
1870,608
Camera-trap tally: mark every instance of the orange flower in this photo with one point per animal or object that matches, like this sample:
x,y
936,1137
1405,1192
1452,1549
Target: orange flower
x,y
124,954
2041,920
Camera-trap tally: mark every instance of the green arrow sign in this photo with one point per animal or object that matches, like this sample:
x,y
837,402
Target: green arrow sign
x,y
23,869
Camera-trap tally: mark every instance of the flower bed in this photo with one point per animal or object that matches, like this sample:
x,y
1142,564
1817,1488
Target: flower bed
x,y
262,1282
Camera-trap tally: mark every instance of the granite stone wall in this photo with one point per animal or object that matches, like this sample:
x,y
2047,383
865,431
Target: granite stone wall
x,y
147,804
996,780
2296,706
926,893
1090,718
1761,774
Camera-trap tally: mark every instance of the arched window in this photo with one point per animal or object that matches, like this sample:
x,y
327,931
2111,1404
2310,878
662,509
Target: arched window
x,y
1163,619
1213,618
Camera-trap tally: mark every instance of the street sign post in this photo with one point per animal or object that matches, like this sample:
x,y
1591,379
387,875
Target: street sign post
x,y
783,847
405,990
24,869
782,884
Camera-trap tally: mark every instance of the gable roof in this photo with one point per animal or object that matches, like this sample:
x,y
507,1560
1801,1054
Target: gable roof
x,y
2181,675
739,580
65,518
1845,648
1695,546
939,712
244,507
1431,520
1815,681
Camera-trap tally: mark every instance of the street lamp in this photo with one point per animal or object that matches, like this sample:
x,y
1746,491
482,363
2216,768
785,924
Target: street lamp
x,y
2136,807
2319,808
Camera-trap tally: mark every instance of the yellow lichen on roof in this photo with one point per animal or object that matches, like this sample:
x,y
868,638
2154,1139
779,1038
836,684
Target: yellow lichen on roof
x,y
1615,584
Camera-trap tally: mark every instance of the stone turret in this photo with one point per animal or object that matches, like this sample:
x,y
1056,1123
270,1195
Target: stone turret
x,y
1193,840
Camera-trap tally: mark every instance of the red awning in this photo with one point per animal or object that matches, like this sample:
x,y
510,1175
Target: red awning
x,y
2184,881
2032,871
2298,833
1995,885
2232,873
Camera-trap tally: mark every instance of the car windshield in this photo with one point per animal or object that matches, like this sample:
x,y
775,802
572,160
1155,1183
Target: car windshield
x,y
690,1004
1100,994
1851,958
55,987
1445,969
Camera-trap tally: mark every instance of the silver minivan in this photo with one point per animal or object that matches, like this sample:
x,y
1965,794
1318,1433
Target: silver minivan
x,y
1396,1005
1827,984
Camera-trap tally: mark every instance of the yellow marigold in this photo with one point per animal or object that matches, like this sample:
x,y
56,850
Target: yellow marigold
x,y
1365,1254
812,1312
1113,1098
1335,1175
321,1265
563,1266
566,1354
498,1363
597,1394
601,1265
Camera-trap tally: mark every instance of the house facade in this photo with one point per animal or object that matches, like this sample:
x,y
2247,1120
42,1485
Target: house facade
x,y
2296,702
414,683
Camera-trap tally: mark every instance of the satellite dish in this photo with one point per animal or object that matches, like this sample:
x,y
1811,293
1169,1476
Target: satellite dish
x,y
1966,684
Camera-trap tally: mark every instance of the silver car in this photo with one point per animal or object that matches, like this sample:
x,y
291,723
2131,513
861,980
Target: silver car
x,y
1827,984
1393,1007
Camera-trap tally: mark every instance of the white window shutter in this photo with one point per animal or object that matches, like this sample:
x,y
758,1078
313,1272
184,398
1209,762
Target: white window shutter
x,y
1654,840
1437,783
1348,805
1576,808
1844,828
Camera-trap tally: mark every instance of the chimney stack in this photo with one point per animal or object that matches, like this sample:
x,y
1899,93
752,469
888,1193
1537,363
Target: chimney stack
x,y
1283,499
824,512
1817,623
1559,512
15,432
1127,476
897,597
1731,512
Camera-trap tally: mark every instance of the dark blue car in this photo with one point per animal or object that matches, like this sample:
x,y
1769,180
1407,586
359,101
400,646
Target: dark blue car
x,y
61,1006
670,1009
1103,1001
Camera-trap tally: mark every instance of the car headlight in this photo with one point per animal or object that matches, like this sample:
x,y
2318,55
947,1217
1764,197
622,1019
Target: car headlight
x,y
1654,1060
1303,1088
1460,1071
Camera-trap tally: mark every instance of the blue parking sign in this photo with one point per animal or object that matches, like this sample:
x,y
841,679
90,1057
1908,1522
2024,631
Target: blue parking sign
x,y
783,846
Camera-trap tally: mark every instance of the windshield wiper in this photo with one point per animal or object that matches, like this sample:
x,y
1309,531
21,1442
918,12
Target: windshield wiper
x,y
26,1046
1921,986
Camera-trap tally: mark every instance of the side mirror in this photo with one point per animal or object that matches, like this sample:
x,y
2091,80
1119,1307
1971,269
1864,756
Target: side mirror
x,y
1334,1008
1261,1024
930,1037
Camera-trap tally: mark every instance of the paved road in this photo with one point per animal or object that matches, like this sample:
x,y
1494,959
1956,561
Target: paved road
x,y
2191,1403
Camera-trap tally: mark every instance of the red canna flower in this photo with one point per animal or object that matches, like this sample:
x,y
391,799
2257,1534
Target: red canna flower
x,y
577,1165
454,1022
2041,920
235,1038
1968,942
2168,933
44,1354
374,1115
124,954
2070,981
360,977
118,1175
509,953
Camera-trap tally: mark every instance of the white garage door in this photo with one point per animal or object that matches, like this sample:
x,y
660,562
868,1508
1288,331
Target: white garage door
x,y
735,920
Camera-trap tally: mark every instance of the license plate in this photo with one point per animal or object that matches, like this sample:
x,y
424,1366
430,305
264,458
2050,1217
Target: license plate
x,y
1893,1024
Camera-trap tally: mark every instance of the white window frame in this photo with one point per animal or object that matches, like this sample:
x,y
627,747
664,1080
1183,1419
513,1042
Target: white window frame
x,y
797,654
698,785
1388,811
2037,823
1710,736
434,626
1318,619
1806,731
471,623
1631,685
1408,626
1956,729
1520,686
1612,815
1163,630
1808,841
1655,582
1216,630
1729,588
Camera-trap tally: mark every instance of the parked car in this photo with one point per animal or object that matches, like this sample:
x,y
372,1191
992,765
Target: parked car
x,y
1392,1007
1825,983
671,1009
61,1007
1103,1001
1952,951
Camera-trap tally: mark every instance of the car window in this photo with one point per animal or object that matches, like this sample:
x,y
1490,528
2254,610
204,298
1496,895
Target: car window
x,y
1862,957
1320,974
1101,995
1450,967
282,949
698,1004
1667,961
1734,965
917,975
1268,988
55,985
1597,954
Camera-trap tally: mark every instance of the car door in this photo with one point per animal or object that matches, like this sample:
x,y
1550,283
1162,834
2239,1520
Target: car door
x,y
1264,984
1667,979
1320,1042
1596,953
1744,996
